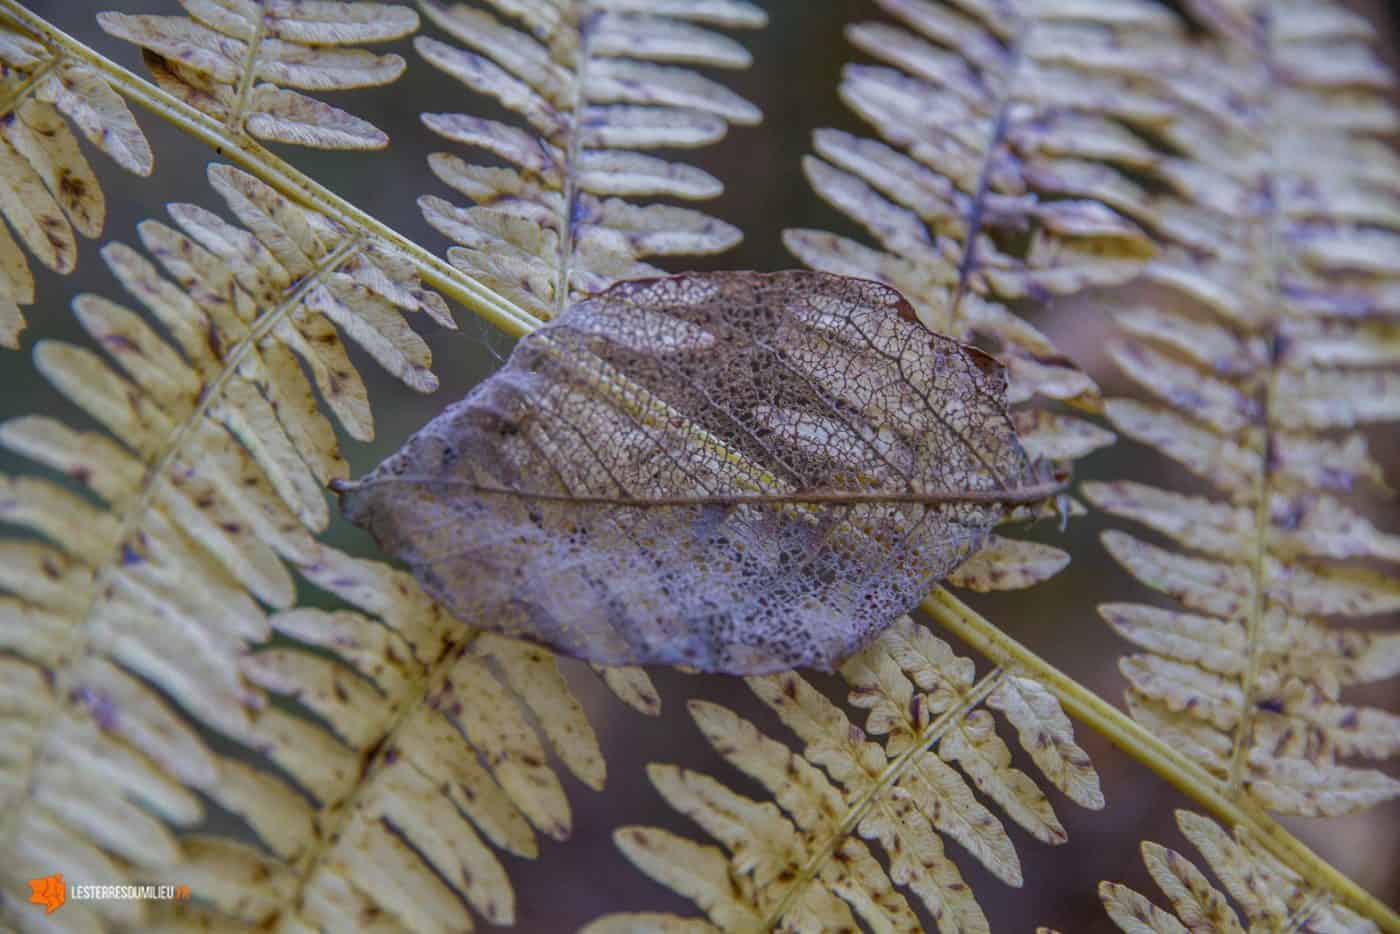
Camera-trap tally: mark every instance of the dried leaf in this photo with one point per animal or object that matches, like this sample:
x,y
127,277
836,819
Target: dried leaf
x,y
736,472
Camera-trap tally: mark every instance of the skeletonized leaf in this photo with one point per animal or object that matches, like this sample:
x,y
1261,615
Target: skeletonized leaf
x,y
736,472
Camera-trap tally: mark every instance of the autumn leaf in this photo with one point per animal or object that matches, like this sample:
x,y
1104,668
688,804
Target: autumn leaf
x,y
736,472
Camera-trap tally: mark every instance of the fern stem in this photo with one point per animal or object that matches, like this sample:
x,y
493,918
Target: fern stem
x,y
1129,736
269,168
573,149
967,264
875,793
1263,521
234,122
16,97
1254,628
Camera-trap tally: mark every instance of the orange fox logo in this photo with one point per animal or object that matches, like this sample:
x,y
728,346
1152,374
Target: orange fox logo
x,y
47,891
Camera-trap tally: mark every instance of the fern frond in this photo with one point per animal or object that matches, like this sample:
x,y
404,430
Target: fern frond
x,y
596,83
799,863
47,188
215,58
1006,131
1003,127
155,666
1269,346
1271,897
275,172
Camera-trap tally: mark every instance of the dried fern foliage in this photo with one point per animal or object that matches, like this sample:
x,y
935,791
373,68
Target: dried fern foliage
x,y
239,60
596,83
737,472
48,191
1268,344
991,182
154,666
1271,896
800,862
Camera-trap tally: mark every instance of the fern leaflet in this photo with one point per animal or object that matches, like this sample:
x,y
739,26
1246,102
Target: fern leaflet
x,y
1002,121
47,188
1272,897
801,864
215,58
148,620
1266,349
595,83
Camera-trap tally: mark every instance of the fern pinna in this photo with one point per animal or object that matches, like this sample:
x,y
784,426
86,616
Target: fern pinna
x,y
1265,347
214,58
139,619
595,83
995,120
49,189
979,123
1271,896
130,628
801,864
1021,144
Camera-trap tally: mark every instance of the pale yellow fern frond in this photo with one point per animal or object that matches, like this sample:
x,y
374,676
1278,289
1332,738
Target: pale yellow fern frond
x,y
800,862
236,60
1271,897
48,191
596,82
1007,132
1269,343
155,670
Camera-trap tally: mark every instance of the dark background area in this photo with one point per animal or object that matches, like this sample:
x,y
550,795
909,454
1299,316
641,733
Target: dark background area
x,y
794,79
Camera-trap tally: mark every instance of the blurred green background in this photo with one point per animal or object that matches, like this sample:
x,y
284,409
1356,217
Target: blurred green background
x,y
797,63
